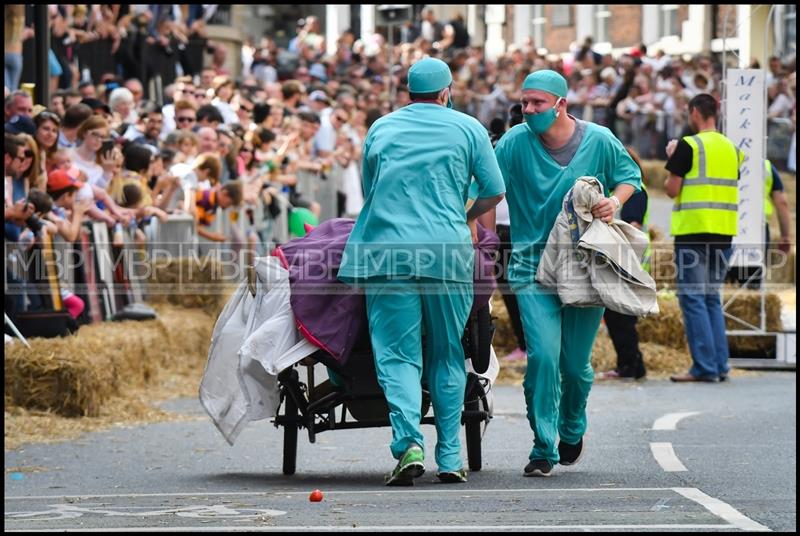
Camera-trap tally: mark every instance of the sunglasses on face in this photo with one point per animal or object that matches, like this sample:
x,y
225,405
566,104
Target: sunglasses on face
x,y
28,153
50,115
185,119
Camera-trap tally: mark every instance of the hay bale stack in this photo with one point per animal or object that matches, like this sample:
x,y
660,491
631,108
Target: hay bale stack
x,y
660,361
192,283
662,338
74,376
662,264
665,328
747,306
504,339
58,375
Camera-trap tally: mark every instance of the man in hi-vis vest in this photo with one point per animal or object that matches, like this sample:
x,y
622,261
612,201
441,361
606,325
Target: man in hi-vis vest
x,y
703,180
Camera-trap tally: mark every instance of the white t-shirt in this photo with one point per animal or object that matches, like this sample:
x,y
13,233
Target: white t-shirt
x,y
781,106
93,171
325,138
168,120
226,110
85,193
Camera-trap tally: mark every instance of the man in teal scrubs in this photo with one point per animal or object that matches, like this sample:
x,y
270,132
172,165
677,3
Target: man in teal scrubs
x,y
411,250
541,160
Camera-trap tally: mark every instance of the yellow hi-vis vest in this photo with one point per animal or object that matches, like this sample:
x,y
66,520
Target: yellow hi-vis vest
x,y
769,208
709,198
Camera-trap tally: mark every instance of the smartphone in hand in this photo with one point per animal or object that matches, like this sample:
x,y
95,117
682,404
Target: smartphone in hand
x,y
107,147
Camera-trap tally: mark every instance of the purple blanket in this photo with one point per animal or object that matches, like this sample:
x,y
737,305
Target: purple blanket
x,y
331,314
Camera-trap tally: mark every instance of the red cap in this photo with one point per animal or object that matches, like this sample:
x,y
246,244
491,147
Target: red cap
x,y
59,179
636,53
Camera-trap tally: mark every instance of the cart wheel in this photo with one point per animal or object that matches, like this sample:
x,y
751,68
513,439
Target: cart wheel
x,y
484,331
290,436
472,429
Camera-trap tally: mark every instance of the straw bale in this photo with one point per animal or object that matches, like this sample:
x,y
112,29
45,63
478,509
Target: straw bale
x,y
665,328
662,264
660,361
191,283
504,340
77,375
662,338
746,305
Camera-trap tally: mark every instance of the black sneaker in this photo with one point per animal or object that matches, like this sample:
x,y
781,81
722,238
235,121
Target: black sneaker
x,y
538,468
570,454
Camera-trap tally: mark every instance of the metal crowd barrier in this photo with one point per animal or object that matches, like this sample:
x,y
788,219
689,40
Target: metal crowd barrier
x,y
313,187
176,237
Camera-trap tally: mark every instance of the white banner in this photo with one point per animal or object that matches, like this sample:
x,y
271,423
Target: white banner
x,y
745,112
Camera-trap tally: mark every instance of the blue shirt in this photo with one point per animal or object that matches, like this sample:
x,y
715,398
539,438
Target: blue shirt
x,y
536,186
417,167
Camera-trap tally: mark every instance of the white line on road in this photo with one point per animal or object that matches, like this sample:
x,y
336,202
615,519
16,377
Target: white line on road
x,y
666,457
329,492
722,509
399,528
670,420
717,507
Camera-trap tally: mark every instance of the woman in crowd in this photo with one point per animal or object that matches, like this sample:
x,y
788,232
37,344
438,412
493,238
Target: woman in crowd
x,y
47,125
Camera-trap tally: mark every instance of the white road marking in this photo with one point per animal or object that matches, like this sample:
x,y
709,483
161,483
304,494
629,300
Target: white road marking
x,y
666,457
329,492
670,420
399,528
734,519
722,509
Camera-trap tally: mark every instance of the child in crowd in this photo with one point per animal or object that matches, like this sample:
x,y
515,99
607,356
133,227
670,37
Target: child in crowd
x,y
208,199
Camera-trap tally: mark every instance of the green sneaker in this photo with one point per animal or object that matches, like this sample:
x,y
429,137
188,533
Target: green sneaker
x,y
453,477
408,468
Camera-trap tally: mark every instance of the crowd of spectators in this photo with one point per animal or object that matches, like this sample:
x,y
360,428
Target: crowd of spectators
x,y
285,134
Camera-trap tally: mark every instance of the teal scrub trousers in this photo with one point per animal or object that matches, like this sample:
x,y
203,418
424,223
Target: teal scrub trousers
x,y
559,341
399,311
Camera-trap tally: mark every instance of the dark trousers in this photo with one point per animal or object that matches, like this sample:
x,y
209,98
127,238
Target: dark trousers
x,y
622,329
504,232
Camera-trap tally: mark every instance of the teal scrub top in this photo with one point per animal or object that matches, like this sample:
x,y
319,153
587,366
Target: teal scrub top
x,y
537,184
417,166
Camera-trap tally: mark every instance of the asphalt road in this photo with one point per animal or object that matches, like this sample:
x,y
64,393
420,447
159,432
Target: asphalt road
x,y
725,460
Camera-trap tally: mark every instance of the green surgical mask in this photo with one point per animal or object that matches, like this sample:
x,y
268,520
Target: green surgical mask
x,y
539,123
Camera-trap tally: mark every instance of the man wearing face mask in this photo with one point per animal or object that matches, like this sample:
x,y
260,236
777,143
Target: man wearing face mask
x,y
411,251
541,160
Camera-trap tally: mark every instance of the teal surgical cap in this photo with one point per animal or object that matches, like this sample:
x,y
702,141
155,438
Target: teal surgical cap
x,y
546,80
429,75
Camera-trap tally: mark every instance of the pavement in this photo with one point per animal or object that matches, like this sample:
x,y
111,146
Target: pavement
x,y
660,457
